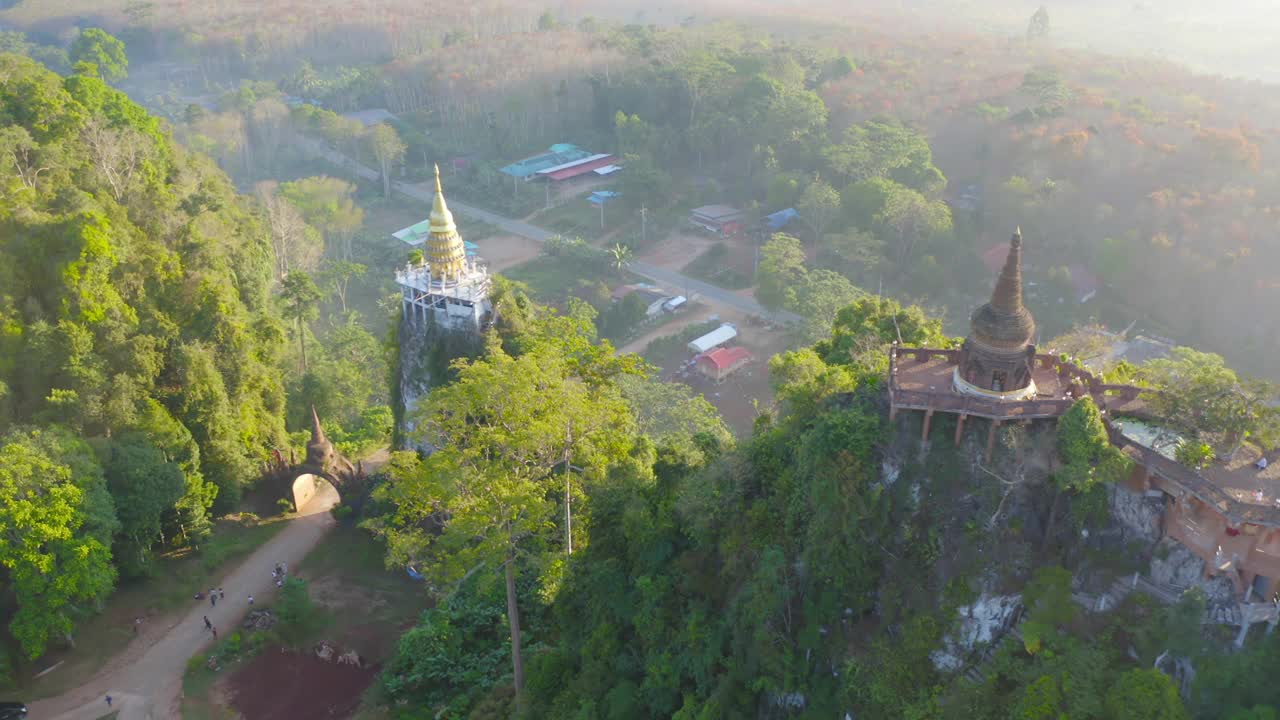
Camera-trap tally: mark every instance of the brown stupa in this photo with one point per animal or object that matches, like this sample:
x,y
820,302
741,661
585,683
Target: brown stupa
x,y
998,356
320,453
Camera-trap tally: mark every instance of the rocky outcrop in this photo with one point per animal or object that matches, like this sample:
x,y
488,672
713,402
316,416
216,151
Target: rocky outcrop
x,y
1137,517
1174,566
981,623
425,350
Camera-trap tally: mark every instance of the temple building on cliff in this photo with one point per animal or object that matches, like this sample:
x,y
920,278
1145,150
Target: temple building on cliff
x,y
446,287
1227,514
445,295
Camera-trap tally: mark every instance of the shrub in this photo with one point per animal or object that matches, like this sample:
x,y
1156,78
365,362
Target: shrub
x,y
297,614
1194,455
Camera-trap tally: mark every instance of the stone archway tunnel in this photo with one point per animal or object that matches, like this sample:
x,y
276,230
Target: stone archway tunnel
x,y
314,493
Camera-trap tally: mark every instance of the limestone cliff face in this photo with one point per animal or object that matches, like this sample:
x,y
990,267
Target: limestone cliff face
x,y
1137,517
1175,567
424,351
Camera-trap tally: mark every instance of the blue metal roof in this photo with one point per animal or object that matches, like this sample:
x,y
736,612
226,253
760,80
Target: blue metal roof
x,y
558,154
779,220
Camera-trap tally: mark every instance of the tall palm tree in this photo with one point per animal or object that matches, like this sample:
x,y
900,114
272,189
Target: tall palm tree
x,y
621,256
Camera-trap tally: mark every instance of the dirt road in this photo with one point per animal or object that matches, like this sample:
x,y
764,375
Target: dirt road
x,y
145,681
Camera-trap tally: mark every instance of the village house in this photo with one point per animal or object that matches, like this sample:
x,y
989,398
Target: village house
x,y
719,364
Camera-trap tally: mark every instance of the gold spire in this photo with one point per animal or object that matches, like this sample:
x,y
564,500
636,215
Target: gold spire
x,y
441,218
445,251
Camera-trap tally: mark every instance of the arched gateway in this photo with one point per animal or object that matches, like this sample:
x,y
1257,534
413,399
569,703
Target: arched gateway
x,y
299,483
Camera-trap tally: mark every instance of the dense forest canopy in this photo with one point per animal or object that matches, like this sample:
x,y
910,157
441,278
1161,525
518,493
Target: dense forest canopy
x,y
139,383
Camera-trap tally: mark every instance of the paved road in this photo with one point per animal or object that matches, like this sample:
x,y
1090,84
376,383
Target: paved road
x,y
664,276
145,680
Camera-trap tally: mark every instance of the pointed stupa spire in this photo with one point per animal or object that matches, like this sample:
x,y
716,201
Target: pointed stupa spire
x,y
1007,296
441,218
446,254
1004,322
317,432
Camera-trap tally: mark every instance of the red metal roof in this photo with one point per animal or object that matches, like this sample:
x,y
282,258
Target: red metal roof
x,y
580,169
724,358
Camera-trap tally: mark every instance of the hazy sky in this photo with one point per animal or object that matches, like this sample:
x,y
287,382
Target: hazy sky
x,y
1232,37
1228,37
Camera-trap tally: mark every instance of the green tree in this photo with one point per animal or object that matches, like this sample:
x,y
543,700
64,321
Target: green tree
x,y
854,253
1198,394
672,413
328,204
912,218
1195,455
780,272
634,135
145,486
389,150
1089,461
502,429
337,276
1050,608
819,205
620,257
299,296
1145,695
863,331
1041,700
1088,457
53,563
100,49
819,299
700,74
887,150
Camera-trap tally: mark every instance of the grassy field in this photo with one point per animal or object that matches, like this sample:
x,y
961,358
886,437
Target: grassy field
x,y
713,266
176,579
577,218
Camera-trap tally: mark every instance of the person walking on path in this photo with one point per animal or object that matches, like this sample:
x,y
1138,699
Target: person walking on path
x,y
207,625
213,599
108,701
251,599
214,630
222,594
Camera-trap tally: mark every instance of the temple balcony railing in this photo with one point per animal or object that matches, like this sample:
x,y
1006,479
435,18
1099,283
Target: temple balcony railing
x,y
1175,473
1110,397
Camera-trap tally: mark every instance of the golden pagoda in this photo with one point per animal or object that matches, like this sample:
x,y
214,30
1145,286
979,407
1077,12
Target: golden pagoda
x,y
446,255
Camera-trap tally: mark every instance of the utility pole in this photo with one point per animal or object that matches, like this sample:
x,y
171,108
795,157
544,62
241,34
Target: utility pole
x,y
602,201
568,514
547,186
643,236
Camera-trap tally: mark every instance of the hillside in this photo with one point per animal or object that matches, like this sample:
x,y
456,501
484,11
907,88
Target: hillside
x,y
139,386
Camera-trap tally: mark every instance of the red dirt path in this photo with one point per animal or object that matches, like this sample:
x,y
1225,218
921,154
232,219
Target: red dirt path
x,y
285,686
